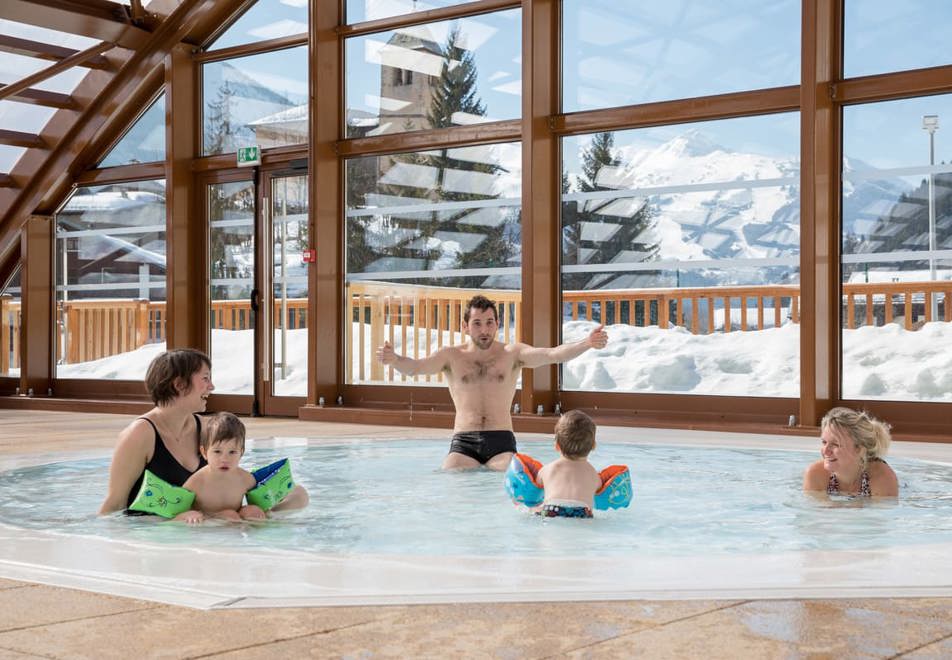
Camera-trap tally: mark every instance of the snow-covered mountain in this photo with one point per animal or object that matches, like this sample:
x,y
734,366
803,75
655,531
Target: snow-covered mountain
x,y
708,202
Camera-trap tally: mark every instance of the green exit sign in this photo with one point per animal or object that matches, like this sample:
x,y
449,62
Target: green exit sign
x,y
248,156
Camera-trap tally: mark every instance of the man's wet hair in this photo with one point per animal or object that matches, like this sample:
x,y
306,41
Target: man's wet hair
x,y
170,374
482,303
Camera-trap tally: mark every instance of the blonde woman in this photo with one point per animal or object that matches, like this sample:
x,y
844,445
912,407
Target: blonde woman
x,y
852,446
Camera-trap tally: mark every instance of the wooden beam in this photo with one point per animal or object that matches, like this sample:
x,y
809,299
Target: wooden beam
x,y
46,180
540,324
18,139
325,200
6,181
661,113
819,211
497,131
49,52
50,71
897,85
97,19
43,98
187,292
36,282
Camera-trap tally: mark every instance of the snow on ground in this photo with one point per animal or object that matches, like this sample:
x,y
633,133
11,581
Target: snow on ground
x,y
888,362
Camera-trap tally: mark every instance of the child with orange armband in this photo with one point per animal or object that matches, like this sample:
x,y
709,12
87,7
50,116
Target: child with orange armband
x,y
569,487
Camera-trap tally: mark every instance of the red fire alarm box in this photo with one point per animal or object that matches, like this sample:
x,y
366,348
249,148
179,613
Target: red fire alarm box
x,y
310,256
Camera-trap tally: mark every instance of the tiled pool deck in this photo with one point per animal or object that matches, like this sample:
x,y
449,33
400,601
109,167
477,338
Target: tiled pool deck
x,y
55,622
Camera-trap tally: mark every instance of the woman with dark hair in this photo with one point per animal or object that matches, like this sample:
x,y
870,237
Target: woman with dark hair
x,y
165,440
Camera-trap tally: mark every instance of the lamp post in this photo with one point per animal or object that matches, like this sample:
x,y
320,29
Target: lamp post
x,y
931,123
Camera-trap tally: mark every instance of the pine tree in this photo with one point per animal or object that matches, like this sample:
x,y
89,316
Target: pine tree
x,y
453,92
599,154
218,123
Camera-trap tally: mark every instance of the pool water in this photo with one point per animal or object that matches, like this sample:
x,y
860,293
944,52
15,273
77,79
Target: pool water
x,y
390,498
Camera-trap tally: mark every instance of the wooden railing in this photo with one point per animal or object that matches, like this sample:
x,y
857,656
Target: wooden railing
x,y
426,318
695,309
876,303
421,319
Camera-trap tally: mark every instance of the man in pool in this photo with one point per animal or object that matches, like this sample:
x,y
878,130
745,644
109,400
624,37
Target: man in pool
x,y
481,375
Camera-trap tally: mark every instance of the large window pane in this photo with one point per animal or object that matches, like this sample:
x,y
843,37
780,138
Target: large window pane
x,y
369,10
266,19
110,280
897,250
231,254
425,232
452,73
10,306
883,35
259,99
144,142
684,242
289,241
625,53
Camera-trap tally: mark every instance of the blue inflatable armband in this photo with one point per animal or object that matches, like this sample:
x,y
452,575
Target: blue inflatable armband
x,y
161,498
521,480
274,482
615,492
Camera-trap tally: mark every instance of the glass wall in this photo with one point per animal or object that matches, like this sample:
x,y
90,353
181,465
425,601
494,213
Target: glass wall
x,y
289,290
625,53
144,142
435,75
265,19
110,272
897,250
426,231
10,306
369,10
231,256
883,36
684,242
259,99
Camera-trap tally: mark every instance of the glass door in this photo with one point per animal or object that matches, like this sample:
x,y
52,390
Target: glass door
x,y
285,239
231,258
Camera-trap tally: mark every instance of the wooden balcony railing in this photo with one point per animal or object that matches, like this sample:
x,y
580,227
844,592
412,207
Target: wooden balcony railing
x,y
426,318
421,319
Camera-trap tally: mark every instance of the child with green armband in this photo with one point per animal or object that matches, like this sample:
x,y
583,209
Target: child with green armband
x,y
221,485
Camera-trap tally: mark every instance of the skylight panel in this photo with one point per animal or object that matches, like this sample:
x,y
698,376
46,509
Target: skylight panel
x,y
45,35
9,157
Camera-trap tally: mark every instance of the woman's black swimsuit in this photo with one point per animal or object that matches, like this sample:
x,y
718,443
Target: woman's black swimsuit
x,y
483,445
163,464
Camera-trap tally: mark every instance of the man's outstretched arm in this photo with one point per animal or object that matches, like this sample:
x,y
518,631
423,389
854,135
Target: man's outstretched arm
x,y
538,357
432,364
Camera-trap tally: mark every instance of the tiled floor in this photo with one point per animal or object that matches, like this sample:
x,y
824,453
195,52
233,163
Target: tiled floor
x,y
53,622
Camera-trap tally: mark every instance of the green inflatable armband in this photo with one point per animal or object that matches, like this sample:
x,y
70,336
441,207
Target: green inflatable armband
x,y
161,498
274,483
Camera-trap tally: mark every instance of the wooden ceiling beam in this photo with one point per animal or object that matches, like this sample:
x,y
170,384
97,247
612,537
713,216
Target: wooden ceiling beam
x,y
47,179
19,139
97,19
49,52
50,71
43,98
6,181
